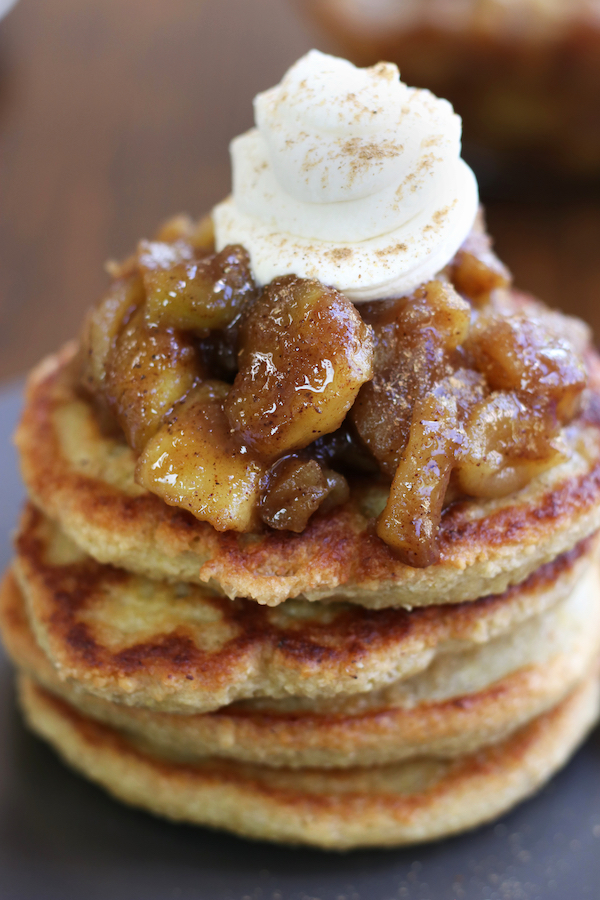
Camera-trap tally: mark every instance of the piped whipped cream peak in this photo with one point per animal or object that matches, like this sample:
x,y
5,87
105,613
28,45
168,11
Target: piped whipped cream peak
x,y
350,177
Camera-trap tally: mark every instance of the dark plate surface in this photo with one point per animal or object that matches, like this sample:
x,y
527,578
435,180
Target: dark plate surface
x,y
61,837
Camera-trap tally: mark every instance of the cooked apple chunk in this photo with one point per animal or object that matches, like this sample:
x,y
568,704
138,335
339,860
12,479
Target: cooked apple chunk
x,y
304,353
200,235
518,353
476,271
102,326
195,463
295,488
188,289
413,339
508,443
147,372
409,523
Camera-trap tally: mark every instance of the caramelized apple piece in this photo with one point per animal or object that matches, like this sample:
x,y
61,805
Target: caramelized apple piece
x,y
414,338
102,325
195,463
467,387
187,289
176,228
476,271
338,491
409,523
518,353
508,443
147,372
436,441
200,235
295,488
304,354
477,279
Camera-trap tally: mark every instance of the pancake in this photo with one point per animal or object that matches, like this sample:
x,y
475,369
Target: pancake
x,y
83,478
179,648
424,716
380,806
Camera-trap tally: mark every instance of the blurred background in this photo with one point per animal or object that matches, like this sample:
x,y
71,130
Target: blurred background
x,y
116,115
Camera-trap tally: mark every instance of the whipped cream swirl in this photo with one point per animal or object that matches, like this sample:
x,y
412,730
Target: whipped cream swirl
x,y
350,177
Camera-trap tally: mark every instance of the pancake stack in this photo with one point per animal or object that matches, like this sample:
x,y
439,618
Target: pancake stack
x,y
301,688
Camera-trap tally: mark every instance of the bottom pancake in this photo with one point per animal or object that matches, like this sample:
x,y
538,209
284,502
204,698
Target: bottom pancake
x,y
462,702
339,809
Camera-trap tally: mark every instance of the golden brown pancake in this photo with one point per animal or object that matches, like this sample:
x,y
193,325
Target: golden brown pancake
x,y
83,478
179,648
421,720
341,808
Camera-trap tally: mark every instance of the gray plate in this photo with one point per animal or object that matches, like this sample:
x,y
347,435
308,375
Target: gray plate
x,y
61,837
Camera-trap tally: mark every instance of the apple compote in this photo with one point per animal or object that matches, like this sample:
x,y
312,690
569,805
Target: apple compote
x,y
257,409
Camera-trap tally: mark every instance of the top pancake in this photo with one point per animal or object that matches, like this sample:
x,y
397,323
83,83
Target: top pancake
x,y
83,478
